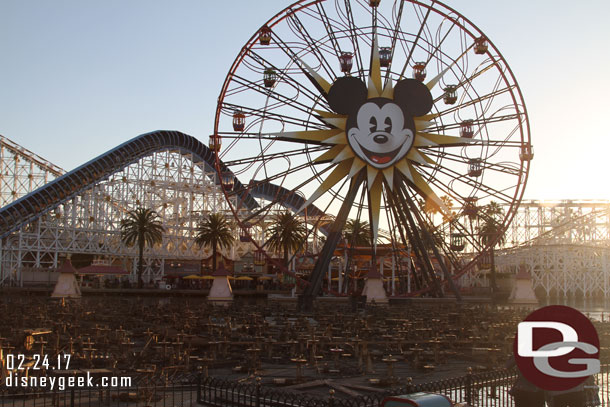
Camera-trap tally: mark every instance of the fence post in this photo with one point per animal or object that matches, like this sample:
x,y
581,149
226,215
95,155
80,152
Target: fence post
x,y
72,397
199,400
469,387
409,385
331,398
258,391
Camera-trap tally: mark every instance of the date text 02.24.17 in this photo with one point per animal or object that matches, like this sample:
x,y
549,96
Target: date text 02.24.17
x,y
37,362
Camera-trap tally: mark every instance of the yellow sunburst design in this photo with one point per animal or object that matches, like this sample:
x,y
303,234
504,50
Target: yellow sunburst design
x,y
348,164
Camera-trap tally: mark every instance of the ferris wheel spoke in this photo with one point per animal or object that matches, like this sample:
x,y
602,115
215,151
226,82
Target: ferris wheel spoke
x,y
273,137
401,230
267,115
469,182
479,122
395,32
414,45
374,16
438,47
287,79
472,102
328,27
505,167
466,234
459,159
312,44
308,72
354,39
284,101
279,198
284,174
272,156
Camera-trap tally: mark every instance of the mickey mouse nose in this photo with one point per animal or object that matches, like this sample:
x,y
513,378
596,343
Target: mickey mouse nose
x,y
380,139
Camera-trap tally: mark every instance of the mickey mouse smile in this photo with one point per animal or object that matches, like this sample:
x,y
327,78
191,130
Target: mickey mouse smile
x,y
379,158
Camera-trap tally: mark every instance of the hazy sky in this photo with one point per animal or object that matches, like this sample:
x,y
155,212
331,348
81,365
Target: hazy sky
x,y
78,77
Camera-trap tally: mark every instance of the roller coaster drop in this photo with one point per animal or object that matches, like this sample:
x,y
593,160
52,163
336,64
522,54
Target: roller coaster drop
x,y
80,212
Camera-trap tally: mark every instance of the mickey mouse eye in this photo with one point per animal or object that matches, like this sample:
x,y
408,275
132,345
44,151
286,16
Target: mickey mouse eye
x,y
373,124
388,124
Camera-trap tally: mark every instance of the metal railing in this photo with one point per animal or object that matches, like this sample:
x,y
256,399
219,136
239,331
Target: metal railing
x,y
488,389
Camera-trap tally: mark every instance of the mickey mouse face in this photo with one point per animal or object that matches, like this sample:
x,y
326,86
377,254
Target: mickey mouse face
x,y
380,131
380,136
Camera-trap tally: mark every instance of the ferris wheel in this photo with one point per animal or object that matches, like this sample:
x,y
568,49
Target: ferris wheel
x,y
400,113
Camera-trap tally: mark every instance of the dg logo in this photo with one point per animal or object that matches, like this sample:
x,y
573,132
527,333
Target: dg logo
x,y
556,348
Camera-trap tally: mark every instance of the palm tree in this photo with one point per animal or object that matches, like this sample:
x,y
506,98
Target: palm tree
x,y
287,233
142,227
449,205
430,236
490,229
214,231
491,216
357,232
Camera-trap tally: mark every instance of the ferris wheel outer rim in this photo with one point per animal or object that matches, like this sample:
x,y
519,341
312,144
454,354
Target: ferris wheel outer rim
x,y
524,125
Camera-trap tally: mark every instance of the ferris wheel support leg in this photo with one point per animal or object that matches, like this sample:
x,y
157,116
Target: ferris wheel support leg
x,y
405,241
417,241
334,235
439,258
409,241
424,278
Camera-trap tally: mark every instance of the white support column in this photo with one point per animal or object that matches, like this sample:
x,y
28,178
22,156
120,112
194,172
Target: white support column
x,y
393,275
605,272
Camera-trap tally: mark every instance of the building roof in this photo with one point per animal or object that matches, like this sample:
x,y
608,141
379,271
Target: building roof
x,y
221,271
67,267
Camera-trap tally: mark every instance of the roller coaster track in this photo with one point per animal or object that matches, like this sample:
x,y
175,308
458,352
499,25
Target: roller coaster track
x,y
31,206
549,237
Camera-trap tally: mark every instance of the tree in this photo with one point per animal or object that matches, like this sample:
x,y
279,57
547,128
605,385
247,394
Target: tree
x,y
430,236
449,205
287,234
491,223
490,229
214,231
141,227
357,232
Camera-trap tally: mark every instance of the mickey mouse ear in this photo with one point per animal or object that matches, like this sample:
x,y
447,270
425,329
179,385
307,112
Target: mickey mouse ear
x,y
346,95
413,96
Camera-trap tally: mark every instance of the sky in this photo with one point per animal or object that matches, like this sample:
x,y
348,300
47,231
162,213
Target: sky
x,y
78,78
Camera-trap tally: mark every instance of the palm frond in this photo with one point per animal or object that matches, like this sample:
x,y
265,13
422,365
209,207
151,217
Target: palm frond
x,y
142,224
286,232
215,230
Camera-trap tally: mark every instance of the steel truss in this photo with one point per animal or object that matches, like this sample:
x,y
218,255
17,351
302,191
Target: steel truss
x,y
22,171
563,269
564,245
169,182
180,185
